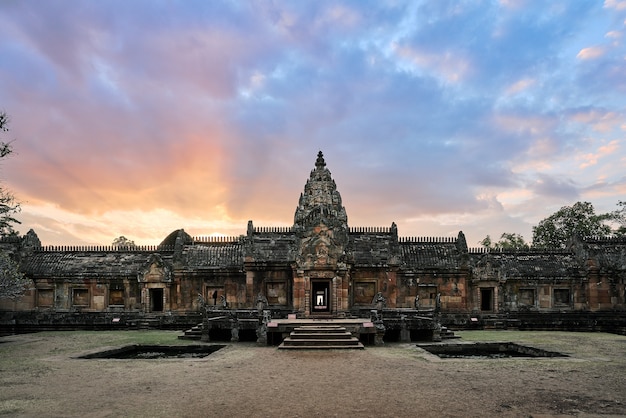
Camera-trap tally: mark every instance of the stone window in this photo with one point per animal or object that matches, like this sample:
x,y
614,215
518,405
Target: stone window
x,y
561,297
213,295
364,292
527,297
80,297
276,293
45,298
428,295
116,297
116,294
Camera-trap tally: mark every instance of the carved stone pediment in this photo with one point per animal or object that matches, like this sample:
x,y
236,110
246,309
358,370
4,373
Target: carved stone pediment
x,y
156,270
487,268
319,249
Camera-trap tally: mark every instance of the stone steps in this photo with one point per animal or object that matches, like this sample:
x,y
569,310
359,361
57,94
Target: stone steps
x,y
320,337
194,333
148,323
446,334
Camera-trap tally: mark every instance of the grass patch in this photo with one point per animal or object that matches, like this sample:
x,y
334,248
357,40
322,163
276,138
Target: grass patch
x,y
20,355
597,344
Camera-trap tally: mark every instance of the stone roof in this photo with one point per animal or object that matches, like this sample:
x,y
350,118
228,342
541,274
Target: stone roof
x,y
430,255
218,255
369,248
607,253
528,264
273,246
48,264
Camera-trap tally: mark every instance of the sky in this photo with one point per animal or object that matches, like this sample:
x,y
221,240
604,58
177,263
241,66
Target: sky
x,y
139,118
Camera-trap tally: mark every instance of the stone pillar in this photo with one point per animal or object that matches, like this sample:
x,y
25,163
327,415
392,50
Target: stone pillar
x,y
380,332
377,319
405,332
393,289
145,299
345,292
336,284
437,332
298,292
307,296
261,332
249,288
206,326
234,329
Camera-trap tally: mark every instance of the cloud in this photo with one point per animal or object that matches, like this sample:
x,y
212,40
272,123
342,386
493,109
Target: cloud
x,y
615,4
520,86
450,66
554,187
153,116
592,159
590,53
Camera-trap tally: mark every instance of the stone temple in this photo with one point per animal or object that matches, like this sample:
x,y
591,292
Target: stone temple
x,y
319,268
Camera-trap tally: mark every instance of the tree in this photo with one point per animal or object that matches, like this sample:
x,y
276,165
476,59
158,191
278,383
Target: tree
x,y
579,219
12,281
8,205
123,242
507,240
619,217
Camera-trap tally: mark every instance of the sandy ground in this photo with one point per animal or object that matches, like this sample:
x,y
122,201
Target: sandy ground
x,y
39,377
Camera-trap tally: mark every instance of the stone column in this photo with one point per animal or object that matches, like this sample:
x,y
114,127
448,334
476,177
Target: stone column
x,y
307,296
249,288
405,332
298,292
336,289
206,326
393,292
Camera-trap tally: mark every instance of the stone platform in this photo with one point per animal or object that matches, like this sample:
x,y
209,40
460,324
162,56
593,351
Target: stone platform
x,y
320,337
320,333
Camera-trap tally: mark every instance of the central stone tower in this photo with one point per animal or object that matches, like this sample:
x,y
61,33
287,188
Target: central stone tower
x,y
321,226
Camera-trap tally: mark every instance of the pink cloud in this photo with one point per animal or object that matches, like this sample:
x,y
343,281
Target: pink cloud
x,y
590,53
603,151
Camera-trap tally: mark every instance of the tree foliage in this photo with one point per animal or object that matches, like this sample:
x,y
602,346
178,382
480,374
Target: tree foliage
x,y
579,219
619,217
9,207
123,242
507,240
12,281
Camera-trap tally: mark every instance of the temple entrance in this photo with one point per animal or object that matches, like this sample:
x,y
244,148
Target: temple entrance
x,y
320,296
486,299
156,300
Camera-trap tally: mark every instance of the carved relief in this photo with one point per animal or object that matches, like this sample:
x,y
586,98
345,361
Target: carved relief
x,y
487,269
320,221
155,271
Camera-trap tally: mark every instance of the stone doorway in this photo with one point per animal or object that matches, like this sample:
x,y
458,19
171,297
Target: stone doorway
x,y
320,296
156,300
486,299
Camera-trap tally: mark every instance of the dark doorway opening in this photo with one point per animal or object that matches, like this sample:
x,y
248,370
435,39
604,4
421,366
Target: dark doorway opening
x,y
156,300
320,296
486,299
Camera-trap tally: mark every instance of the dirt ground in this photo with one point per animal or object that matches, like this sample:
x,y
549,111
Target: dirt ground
x,y
40,377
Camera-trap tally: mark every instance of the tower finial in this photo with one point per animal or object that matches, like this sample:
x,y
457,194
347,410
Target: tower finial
x,y
320,163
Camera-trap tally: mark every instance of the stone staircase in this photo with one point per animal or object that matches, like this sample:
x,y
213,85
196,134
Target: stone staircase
x,y
320,337
446,334
194,333
148,322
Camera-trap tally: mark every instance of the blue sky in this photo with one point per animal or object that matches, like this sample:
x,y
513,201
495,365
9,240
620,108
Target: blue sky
x,y
138,118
